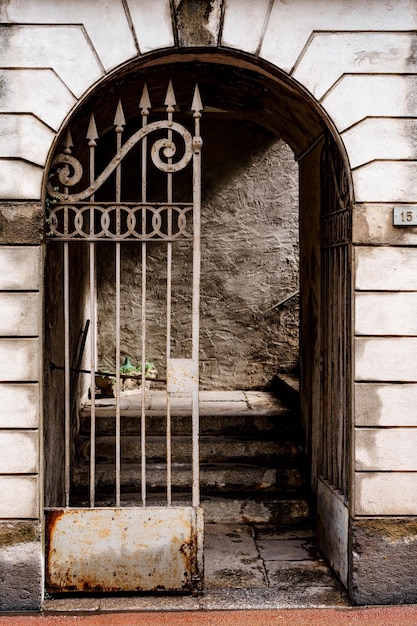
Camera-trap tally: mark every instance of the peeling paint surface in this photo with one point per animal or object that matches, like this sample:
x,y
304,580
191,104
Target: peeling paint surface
x,y
182,375
132,549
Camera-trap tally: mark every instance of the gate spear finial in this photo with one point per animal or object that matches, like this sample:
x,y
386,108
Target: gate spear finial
x,y
170,100
68,144
119,122
119,118
92,134
197,106
145,103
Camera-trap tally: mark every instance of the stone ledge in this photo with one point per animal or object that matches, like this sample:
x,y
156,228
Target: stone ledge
x,y
22,223
384,563
20,566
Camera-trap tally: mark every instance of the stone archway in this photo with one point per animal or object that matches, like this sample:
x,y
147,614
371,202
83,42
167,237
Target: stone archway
x,y
53,58
234,85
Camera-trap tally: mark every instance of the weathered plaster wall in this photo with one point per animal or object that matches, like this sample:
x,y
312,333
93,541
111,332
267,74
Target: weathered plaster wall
x,y
383,560
249,264
21,565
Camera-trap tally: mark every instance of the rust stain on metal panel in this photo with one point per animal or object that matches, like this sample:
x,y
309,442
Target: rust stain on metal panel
x,y
52,518
134,549
182,375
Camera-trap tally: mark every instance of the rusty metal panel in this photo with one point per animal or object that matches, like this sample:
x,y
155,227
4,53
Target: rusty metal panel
x,y
182,375
124,549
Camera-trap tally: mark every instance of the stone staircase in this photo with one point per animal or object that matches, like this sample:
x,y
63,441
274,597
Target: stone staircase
x,y
252,465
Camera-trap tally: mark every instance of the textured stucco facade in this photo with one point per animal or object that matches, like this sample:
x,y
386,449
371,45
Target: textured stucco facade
x,y
244,339
348,66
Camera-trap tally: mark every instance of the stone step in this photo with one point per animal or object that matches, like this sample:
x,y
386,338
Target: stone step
x,y
287,388
285,511
251,468
224,413
212,450
293,512
265,424
215,478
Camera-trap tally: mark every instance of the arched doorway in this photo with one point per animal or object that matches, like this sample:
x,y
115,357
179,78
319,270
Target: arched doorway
x,y
234,87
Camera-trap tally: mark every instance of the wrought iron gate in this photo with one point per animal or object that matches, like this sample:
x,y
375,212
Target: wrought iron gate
x,y
336,216
140,547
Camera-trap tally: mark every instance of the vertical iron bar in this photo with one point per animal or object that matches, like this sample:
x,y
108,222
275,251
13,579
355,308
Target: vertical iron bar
x,y
93,335
196,303
326,386
323,365
323,359
168,347
144,105
143,322
342,373
328,339
334,354
331,335
170,110
326,369
117,263
346,377
333,370
67,379
344,288
169,451
143,405
92,375
348,334
119,130
335,340
339,406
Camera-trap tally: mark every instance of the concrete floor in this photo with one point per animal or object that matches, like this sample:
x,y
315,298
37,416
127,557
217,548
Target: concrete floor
x,y
245,568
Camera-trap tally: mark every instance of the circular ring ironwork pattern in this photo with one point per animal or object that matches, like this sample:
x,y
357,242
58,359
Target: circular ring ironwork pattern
x,y
119,222
336,229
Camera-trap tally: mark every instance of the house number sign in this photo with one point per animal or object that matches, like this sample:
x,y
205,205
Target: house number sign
x,y
405,216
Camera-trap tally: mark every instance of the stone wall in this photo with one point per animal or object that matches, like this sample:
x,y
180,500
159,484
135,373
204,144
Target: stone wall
x,y
21,565
249,264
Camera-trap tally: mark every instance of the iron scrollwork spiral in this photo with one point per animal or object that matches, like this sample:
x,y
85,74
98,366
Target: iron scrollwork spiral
x,y
69,178
335,197
69,174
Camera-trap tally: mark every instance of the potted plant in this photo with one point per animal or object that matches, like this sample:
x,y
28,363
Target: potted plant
x,y
130,379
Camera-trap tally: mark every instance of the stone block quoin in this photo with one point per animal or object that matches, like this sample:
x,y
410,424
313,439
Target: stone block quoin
x,y
20,363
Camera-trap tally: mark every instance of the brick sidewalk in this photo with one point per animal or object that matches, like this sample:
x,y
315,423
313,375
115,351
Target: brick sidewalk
x,y
375,616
